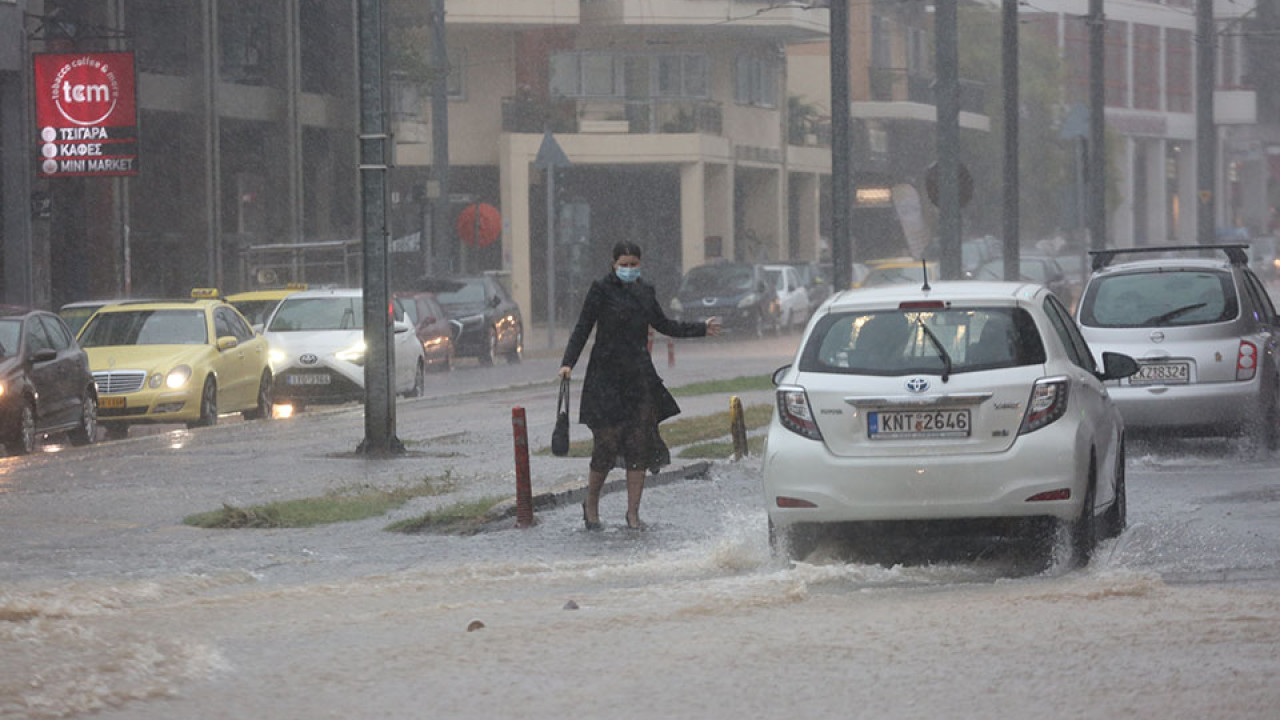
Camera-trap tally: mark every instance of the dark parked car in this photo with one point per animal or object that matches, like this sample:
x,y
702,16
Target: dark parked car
x,y
434,327
489,320
737,293
45,383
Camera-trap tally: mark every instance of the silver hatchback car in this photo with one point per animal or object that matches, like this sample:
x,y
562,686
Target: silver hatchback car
x,y
1203,330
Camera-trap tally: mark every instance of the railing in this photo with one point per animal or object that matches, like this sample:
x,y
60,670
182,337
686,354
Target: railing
x,y
611,115
899,84
809,132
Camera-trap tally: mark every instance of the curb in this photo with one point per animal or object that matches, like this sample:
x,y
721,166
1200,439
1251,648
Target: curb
x,y
506,509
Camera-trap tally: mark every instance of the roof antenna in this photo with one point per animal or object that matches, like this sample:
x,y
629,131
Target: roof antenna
x,y
925,267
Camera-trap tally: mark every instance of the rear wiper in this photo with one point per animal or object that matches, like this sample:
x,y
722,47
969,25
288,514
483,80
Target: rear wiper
x,y
946,359
1166,317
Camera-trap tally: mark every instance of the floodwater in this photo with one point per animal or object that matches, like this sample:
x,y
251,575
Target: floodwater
x,y
692,619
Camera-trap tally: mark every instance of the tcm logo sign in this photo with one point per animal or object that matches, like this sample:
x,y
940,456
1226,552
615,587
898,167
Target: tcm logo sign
x,y
86,114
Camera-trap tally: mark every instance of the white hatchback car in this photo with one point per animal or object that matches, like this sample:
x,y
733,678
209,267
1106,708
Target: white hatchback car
x,y
975,403
317,348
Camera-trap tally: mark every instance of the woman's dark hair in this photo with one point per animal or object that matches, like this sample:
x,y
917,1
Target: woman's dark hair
x,y
625,248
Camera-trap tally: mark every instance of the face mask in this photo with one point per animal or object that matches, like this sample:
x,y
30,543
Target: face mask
x,y
627,274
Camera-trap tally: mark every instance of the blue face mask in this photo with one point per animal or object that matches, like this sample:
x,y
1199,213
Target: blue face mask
x,y
627,274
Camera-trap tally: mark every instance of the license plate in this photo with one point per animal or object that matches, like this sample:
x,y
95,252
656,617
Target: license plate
x,y
319,379
1168,373
898,424
112,403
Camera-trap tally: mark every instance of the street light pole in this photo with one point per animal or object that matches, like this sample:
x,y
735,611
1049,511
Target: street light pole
x,y
841,164
1009,78
441,235
379,398
947,96
1097,177
1206,131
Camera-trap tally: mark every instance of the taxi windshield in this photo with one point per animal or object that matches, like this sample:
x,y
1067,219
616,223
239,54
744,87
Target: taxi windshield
x,y
146,327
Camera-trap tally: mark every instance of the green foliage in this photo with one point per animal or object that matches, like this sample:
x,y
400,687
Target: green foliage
x,y
686,430
721,449
455,517
744,383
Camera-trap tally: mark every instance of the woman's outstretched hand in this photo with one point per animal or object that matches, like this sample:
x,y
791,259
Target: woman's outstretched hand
x,y
713,326
564,372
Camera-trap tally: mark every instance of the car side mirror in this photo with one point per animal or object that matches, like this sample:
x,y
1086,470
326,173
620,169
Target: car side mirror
x,y
1116,366
44,355
777,374
495,301
227,342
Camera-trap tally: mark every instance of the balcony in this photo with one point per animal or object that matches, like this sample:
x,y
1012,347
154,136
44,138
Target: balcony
x,y
895,93
611,115
781,21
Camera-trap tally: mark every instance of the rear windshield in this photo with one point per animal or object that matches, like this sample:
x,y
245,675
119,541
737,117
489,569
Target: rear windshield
x,y
1167,298
146,327
322,313
894,342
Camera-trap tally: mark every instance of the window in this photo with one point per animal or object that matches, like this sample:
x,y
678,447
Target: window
x,y
1074,342
681,75
1177,53
37,339
455,82
881,42
586,74
757,81
57,332
1146,67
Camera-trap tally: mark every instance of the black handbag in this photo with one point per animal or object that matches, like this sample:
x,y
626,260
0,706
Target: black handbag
x,y
560,436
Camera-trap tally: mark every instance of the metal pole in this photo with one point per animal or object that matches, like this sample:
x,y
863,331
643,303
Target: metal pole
x,y
1097,175
379,400
524,487
1009,78
841,166
1206,131
440,232
947,96
551,255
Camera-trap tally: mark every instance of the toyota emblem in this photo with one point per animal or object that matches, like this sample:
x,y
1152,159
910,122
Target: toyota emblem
x,y
917,385
308,359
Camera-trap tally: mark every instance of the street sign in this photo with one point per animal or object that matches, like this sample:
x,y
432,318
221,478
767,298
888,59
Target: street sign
x,y
550,154
86,114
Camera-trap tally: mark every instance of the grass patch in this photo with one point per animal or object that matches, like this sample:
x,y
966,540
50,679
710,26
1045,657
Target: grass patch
x,y
721,449
744,383
457,517
344,505
687,430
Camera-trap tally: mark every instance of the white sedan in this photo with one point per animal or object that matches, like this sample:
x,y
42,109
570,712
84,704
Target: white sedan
x,y
317,348
976,404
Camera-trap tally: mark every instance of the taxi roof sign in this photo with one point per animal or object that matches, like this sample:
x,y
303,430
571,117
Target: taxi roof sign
x,y
295,286
204,293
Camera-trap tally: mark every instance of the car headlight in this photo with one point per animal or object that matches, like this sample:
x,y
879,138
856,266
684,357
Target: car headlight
x,y
353,354
177,377
676,304
748,301
275,357
155,380
1,389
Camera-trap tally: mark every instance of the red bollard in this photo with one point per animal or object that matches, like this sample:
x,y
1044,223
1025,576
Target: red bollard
x,y
671,352
524,489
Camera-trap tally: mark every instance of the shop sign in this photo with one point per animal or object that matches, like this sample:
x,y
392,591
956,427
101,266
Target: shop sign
x,y
86,114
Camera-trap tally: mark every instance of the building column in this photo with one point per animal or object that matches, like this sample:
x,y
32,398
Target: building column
x,y
806,212
693,216
1187,201
1120,225
513,171
718,206
1157,193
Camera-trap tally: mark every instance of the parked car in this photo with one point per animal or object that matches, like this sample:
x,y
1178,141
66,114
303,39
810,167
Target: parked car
x,y
76,314
896,271
793,297
1038,269
1204,333
816,279
318,349
45,384
906,406
489,321
737,293
433,326
256,305
175,361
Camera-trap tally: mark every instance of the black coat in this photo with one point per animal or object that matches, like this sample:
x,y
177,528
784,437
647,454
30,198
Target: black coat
x,y
620,372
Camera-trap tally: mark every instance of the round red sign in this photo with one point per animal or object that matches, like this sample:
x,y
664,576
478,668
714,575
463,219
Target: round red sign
x,y
85,91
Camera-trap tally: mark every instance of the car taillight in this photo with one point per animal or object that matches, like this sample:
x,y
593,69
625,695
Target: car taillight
x,y
795,413
1048,403
1246,361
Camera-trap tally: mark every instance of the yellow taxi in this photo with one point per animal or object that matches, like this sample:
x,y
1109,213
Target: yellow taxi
x,y
894,271
176,361
256,305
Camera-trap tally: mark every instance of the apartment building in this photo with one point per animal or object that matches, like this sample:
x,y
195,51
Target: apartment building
x,y
673,114
1151,47
894,117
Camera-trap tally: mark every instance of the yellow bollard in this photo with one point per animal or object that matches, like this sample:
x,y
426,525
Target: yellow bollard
x,y
737,428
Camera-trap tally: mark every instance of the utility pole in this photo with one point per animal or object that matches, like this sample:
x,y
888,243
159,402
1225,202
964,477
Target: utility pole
x,y
1096,181
441,233
1206,131
947,96
1009,79
379,396
841,165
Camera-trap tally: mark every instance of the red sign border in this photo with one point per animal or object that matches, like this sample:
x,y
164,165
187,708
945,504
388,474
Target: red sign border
x,y
109,56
